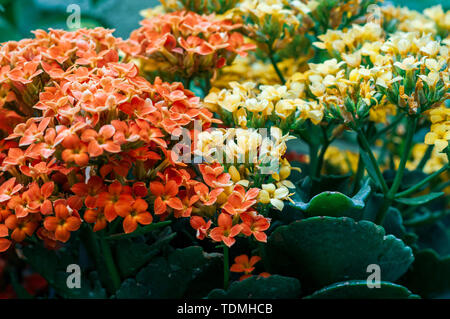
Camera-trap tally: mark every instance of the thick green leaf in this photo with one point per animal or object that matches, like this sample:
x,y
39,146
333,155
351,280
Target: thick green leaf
x,y
429,275
273,287
358,289
334,204
52,265
435,236
176,275
132,256
130,289
419,200
370,168
393,223
424,216
324,250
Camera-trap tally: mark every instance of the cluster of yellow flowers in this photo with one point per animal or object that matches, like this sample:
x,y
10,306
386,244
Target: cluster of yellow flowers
x,y
340,161
273,24
439,134
370,75
434,163
250,152
246,105
257,71
352,43
433,20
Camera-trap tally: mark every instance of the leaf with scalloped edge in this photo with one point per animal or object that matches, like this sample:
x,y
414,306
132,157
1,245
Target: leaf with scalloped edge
x,y
335,204
324,250
255,287
429,275
358,289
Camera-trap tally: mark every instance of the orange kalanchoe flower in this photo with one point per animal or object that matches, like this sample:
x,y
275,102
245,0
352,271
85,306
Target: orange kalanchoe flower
x,y
254,224
134,214
243,264
207,197
21,227
225,232
89,191
38,197
201,226
240,201
108,200
64,222
96,217
165,196
214,176
9,188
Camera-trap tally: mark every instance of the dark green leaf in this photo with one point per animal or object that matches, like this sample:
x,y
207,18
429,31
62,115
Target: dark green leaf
x,y
324,250
429,275
273,287
174,276
358,289
419,200
132,256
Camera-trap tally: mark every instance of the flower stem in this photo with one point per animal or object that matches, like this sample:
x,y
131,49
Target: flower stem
x,y
412,189
389,197
425,158
323,150
275,66
110,266
358,176
226,267
366,148
410,130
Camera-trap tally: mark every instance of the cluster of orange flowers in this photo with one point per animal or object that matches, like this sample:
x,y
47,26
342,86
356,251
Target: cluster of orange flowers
x,y
89,140
185,43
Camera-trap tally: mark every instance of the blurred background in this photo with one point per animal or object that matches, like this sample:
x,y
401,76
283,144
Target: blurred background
x,y
19,17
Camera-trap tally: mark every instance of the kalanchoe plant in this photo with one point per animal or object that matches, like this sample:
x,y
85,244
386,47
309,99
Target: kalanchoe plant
x,y
165,155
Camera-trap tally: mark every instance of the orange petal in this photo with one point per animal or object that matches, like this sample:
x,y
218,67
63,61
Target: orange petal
x,y
51,223
4,244
129,224
72,223
144,218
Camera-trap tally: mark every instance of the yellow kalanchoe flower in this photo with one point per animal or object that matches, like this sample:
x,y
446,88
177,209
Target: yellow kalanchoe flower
x,y
439,134
274,195
406,20
350,40
253,107
434,163
340,161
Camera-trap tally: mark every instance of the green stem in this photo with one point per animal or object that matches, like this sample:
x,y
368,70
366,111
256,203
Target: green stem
x,y
20,291
441,186
275,66
410,130
226,267
389,197
110,266
388,127
425,158
323,150
313,150
412,189
359,175
366,147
